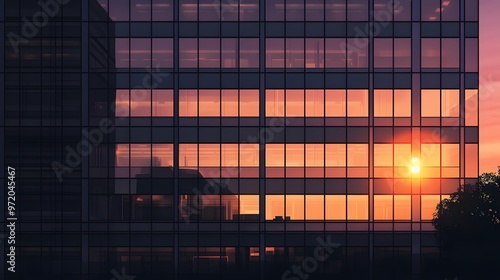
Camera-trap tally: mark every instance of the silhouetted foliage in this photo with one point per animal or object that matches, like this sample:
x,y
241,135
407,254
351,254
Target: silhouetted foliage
x,y
468,225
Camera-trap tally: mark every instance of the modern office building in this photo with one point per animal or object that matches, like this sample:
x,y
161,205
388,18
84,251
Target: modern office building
x,y
267,139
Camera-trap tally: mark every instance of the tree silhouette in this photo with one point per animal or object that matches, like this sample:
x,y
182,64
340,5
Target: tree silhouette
x,y
468,226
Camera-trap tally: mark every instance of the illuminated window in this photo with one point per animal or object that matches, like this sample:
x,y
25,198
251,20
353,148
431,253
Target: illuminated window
x,y
431,52
357,207
315,207
357,155
450,52
315,52
122,103
229,102
471,107
163,103
275,207
431,103
249,155
383,103
450,160
229,155
336,52
249,103
402,207
294,155
382,207
357,103
295,207
275,55
430,160
249,204
188,103
335,207
275,103
428,206
315,155
188,155
471,160
209,103
294,103
275,155
402,160
163,154
402,103
315,103
383,52
335,155
335,103
450,103
382,154
188,52
249,53
209,155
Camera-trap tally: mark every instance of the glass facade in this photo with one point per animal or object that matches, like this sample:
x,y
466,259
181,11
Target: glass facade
x,y
226,136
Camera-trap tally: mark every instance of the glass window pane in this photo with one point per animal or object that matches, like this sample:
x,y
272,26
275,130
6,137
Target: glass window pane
x,y
335,207
163,53
163,10
119,10
357,10
249,204
471,10
188,156
275,10
471,55
294,10
431,53
208,11
163,155
227,10
383,103
188,10
450,51
188,52
402,103
471,107
430,155
249,10
315,103
357,207
140,102
140,155
357,53
122,103
229,52
357,103
402,53
450,155
430,103
315,155
275,207
249,103
402,155
249,155
428,206
140,10
402,10
382,207
294,155
315,207
294,103
335,10
188,103
249,53
294,53
335,103
140,53
275,155
450,10
275,56
383,10
295,207
229,155
383,52
450,103
230,103
402,207
209,103
382,154
431,10
471,160
209,155
314,10
209,56
336,49
122,155
275,103
315,53
335,155
163,103
357,155
122,52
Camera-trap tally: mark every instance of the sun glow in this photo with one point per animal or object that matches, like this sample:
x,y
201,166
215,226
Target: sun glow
x,y
415,165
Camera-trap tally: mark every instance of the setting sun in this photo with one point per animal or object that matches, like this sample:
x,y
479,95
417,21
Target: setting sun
x,y
415,165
